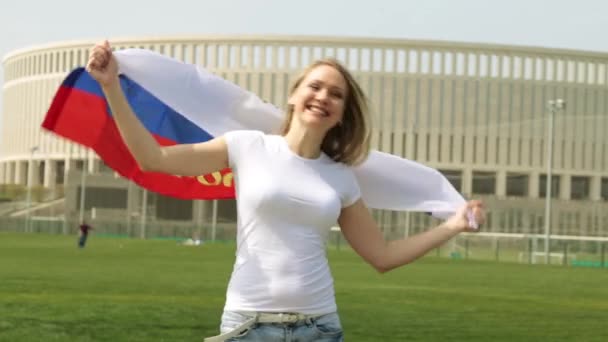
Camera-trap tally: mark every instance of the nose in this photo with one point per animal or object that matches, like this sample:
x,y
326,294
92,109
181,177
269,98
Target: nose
x,y
322,95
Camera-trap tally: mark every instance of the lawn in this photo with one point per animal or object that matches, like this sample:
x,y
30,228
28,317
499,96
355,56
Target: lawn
x,y
133,290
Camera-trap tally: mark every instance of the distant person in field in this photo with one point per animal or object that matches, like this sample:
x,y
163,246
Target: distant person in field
x,y
281,286
84,229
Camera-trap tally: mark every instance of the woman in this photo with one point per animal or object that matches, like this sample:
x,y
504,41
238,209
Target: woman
x,y
281,286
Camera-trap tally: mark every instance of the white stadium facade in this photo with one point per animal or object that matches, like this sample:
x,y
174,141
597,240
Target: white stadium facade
x,y
478,113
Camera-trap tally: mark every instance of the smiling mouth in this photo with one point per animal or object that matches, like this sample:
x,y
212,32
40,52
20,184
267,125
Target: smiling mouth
x,y
317,110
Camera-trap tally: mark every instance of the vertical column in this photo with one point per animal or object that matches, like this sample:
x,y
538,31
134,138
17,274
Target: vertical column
x,y
564,186
387,113
399,116
467,181
33,173
225,51
595,188
212,56
251,49
197,219
238,51
20,172
264,56
570,112
501,183
50,170
132,207
202,54
458,110
197,212
69,164
10,173
3,173
468,108
533,184
92,163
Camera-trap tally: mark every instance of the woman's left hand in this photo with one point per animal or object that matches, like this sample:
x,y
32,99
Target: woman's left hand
x,y
461,220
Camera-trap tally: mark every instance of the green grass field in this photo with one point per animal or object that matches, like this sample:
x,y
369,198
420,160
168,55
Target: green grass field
x,y
133,290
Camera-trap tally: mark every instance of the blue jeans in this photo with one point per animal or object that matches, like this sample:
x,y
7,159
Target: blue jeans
x,y
326,328
82,240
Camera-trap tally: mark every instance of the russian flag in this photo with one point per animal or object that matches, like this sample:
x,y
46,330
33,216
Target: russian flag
x,y
184,103
80,113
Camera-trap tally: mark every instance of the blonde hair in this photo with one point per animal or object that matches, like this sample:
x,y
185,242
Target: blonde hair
x,y
348,141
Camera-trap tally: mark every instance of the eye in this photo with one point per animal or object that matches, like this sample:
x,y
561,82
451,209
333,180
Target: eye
x,y
337,95
314,86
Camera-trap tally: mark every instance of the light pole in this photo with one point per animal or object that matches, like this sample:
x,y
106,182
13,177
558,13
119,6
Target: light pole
x,y
144,214
214,221
83,178
554,106
30,172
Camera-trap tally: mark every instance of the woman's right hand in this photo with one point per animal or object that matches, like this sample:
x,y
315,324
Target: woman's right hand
x,y
102,64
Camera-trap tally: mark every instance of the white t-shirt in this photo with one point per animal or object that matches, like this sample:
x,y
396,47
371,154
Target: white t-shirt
x,y
286,206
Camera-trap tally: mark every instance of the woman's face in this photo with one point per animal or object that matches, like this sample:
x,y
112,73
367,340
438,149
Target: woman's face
x,y
319,99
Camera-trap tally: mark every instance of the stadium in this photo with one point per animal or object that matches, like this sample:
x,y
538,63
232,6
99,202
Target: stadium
x,y
479,113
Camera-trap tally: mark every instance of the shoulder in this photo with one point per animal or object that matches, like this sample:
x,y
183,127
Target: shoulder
x,y
242,143
341,175
244,133
347,183
338,167
247,136
244,138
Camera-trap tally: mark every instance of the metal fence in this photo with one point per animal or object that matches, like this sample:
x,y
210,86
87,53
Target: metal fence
x,y
565,250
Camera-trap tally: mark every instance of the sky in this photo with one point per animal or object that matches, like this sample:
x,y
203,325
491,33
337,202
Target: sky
x,y
580,24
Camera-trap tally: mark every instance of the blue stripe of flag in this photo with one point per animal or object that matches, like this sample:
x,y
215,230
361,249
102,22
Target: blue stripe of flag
x,y
156,116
